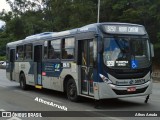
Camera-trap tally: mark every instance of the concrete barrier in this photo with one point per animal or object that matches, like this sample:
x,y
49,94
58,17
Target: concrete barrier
x,y
156,74
2,67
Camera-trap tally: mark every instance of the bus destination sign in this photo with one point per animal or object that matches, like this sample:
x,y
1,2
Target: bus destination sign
x,y
124,29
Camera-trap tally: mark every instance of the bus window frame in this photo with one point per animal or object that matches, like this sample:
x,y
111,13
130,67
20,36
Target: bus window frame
x,y
74,48
47,58
8,54
44,50
29,59
18,53
54,49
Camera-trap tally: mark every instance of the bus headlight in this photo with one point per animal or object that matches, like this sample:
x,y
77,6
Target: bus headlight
x,y
105,79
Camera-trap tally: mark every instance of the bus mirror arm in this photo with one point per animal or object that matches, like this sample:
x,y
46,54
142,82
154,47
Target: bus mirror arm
x,y
99,43
100,47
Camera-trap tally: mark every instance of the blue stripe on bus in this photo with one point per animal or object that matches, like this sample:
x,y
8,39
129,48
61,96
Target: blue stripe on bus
x,y
51,69
31,70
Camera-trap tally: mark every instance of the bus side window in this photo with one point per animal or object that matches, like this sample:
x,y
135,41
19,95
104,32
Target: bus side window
x,y
28,52
12,55
20,53
68,47
7,54
54,49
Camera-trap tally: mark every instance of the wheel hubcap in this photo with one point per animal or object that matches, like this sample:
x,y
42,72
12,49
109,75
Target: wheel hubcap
x,y
72,90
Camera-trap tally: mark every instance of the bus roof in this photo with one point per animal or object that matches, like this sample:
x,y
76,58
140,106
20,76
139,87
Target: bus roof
x,y
15,43
50,35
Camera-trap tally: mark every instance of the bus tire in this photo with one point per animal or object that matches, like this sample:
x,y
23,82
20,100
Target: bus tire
x,y
23,81
72,90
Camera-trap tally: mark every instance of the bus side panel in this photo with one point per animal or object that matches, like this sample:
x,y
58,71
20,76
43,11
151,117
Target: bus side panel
x,y
28,69
54,73
17,71
46,82
8,70
30,72
8,75
47,71
69,68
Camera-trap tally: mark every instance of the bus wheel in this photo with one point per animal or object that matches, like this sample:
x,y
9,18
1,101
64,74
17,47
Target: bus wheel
x,y
72,90
23,82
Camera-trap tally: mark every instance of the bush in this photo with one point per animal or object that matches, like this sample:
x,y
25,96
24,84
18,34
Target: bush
x,y
2,58
156,59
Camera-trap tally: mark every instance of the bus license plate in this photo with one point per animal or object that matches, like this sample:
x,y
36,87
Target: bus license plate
x,y
131,89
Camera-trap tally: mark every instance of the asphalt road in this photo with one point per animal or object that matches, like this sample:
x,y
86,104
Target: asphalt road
x,y
12,98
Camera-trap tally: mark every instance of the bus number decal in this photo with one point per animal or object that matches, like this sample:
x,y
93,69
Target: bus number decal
x,y
110,63
66,65
133,29
111,28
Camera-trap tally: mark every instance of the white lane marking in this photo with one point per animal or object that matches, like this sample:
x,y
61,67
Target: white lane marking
x,y
50,99
45,98
3,86
155,100
88,110
151,99
2,110
14,118
115,118
23,93
112,118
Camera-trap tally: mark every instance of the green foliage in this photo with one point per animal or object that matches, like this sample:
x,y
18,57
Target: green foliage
x,y
32,17
2,58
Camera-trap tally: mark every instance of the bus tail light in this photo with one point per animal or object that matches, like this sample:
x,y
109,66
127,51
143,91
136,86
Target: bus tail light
x,y
105,79
43,73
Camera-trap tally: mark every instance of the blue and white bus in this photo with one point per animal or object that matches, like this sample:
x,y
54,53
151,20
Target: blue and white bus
x,y
99,61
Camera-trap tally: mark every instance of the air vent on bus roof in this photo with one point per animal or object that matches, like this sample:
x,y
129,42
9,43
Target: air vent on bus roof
x,y
39,35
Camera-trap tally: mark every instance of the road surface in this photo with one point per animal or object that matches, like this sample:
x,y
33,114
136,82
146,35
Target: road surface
x,y
12,98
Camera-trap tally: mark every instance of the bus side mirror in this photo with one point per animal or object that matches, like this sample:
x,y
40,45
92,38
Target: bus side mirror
x,y
152,50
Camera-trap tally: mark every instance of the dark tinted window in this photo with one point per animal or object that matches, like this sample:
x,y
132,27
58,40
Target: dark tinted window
x,y
54,49
20,53
68,46
28,51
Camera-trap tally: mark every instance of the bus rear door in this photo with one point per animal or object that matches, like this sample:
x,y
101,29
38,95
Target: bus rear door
x,y
12,64
38,66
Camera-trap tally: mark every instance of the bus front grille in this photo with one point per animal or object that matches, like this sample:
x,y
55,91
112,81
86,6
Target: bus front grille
x,y
125,92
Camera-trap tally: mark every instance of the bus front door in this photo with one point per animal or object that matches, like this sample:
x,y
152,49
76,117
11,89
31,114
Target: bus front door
x,y
85,56
38,65
12,64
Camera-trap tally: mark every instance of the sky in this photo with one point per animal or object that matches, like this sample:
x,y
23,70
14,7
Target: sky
x,y
3,5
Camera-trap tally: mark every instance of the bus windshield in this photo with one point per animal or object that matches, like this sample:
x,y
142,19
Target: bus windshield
x,y
126,52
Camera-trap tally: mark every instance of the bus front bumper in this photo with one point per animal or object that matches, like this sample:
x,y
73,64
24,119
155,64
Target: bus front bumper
x,y
114,91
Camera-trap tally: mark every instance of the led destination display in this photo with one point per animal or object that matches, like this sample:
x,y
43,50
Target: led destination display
x,y
124,29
